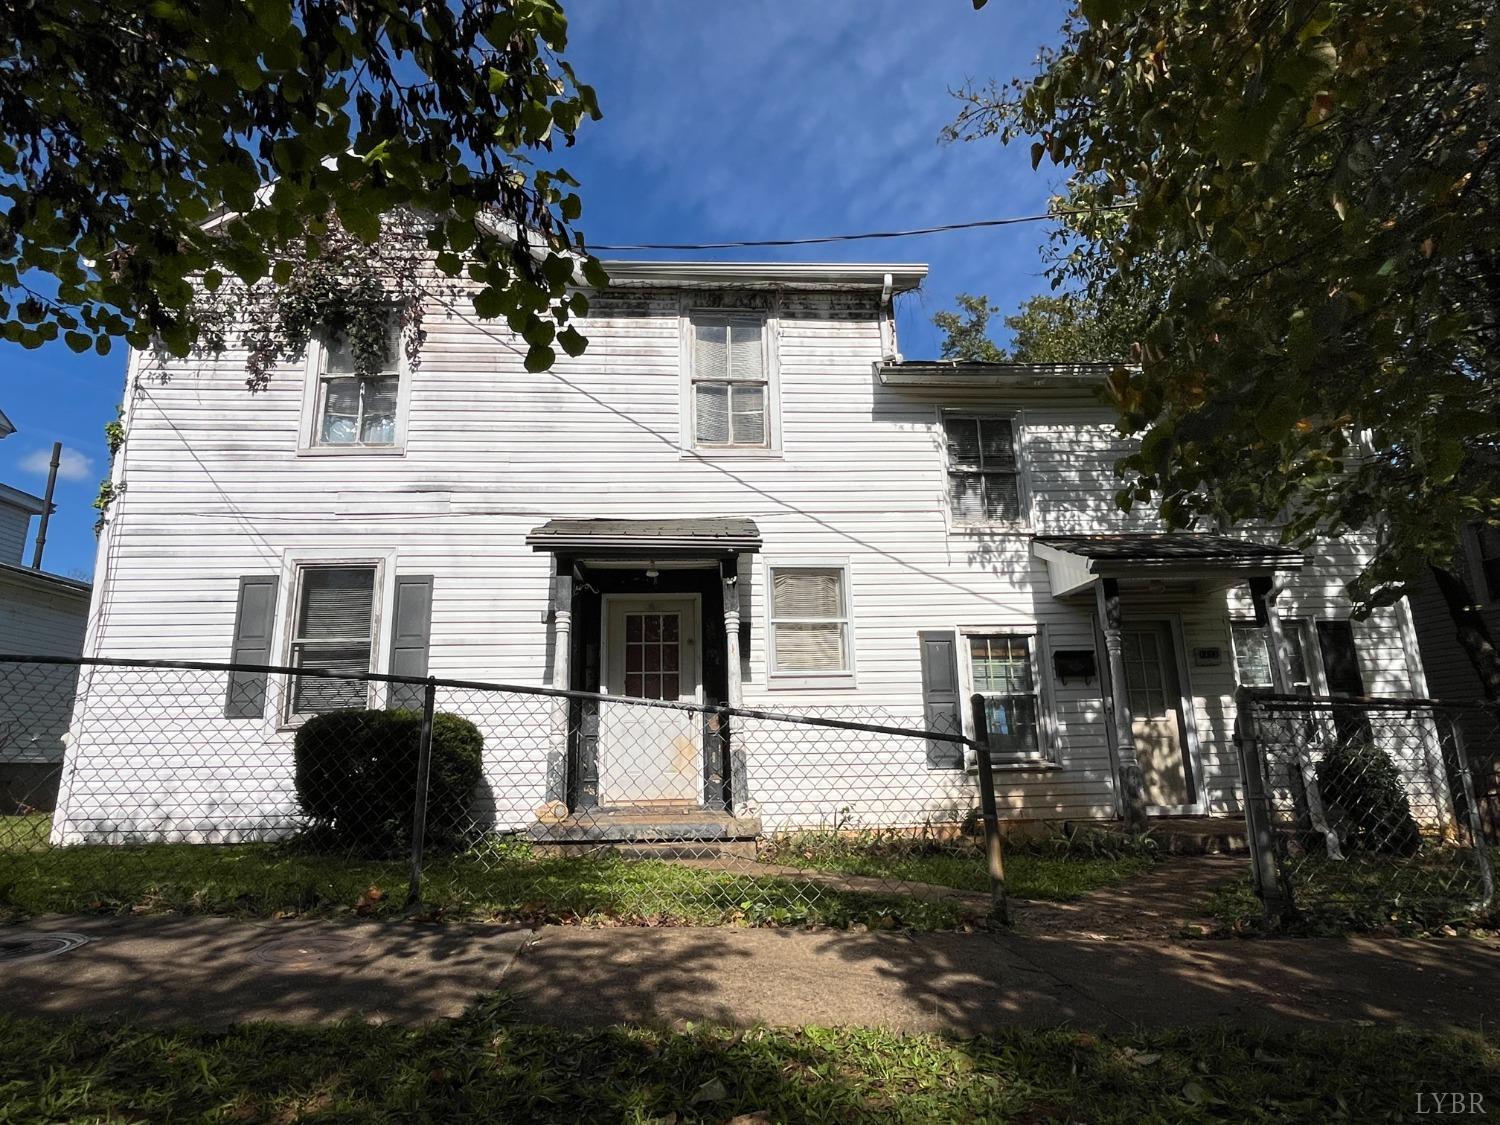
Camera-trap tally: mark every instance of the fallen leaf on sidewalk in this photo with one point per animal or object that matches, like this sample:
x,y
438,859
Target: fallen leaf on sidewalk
x,y
711,1091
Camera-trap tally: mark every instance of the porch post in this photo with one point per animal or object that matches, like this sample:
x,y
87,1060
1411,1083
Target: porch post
x,y
729,575
1132,788
1281,680
739,778
562,709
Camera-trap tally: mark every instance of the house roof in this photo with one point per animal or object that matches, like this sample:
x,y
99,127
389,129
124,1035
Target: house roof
x,y
53,583
6,428
780,275
1076,562
1010,376
724,535
15,498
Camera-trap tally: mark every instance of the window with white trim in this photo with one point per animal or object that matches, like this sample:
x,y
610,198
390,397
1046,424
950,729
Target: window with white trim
x,y
354,411
984,476
809,620
1252,655
1004,674
731,397
333,631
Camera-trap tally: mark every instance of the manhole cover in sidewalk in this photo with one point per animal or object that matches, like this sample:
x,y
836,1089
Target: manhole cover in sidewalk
x,y
30,945
310,951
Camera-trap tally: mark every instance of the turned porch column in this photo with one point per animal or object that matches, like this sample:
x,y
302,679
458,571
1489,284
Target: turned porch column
x,y
1129,782
562,709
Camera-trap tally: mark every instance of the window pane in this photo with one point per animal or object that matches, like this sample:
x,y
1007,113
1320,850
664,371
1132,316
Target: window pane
x,y
314,695
1012,723
963,442
997,443
809,648
710,351
336,604
379,423
966,497
340,411
746,353
748,415
712,410
808,593
1002,500
1001,664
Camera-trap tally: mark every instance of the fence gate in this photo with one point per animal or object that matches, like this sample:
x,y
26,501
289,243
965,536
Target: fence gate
x,y
1371,811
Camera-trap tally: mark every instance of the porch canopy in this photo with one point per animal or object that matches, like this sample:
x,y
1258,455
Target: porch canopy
x,y
1075,563
700,538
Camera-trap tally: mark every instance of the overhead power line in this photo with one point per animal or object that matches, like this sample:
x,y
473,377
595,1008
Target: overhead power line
x,y
866,236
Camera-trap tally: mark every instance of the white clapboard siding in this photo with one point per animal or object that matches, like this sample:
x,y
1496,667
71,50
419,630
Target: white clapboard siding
x,y
39,616
14,522
214,488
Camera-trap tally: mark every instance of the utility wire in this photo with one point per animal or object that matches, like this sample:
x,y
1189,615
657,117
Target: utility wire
x,y
745,243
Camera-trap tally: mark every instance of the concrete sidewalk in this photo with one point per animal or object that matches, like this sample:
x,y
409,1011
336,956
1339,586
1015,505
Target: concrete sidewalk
x,y
215,971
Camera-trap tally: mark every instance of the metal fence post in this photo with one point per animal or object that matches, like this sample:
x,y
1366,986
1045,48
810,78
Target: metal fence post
x,y
993,854
419,802
1476,829
1273,892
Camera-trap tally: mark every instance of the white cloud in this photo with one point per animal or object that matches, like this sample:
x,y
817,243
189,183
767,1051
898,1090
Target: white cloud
x,y
72,465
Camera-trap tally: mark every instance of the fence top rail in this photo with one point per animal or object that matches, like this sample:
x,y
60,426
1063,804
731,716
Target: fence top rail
x,y
1279,701
482,685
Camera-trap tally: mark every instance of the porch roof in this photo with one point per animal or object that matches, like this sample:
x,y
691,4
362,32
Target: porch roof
x,y
1074,562
708,535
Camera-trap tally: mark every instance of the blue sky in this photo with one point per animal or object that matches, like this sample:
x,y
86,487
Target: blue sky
x,y
745,120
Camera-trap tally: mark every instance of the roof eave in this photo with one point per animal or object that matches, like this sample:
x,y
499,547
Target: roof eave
x,y
904,276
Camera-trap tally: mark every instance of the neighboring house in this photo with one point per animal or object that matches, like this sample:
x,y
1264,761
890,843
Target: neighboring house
x,y
41,614
739,493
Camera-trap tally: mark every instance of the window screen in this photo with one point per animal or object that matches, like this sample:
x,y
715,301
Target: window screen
x,y
335,608
809,620
983,478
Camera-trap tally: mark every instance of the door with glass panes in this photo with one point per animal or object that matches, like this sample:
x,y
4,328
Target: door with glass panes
x,y
650,755
1154,693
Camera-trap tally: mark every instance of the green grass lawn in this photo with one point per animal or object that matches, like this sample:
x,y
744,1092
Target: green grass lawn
x,y
1050,868
25,833
505,884
1367,892
482,1067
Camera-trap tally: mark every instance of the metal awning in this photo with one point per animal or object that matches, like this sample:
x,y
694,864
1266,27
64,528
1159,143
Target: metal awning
x,y
716,536
1075,562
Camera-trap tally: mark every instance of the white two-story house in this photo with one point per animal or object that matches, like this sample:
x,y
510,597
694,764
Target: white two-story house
x,y
739,494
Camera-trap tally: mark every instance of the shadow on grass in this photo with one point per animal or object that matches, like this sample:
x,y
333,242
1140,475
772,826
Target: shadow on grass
x,y
483,1066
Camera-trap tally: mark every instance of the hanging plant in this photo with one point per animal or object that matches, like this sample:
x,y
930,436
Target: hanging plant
x,y
343,292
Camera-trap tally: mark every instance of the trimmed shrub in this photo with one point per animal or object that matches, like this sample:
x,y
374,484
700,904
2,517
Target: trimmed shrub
x,y
1366,800
356,778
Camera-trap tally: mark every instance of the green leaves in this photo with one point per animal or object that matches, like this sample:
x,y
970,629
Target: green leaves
x,y
127,173
1307,260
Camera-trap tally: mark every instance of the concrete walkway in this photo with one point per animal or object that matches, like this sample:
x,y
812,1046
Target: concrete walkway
x,y
215,971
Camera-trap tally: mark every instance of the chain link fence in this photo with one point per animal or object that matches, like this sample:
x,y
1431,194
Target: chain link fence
x,y
1368,812
196,786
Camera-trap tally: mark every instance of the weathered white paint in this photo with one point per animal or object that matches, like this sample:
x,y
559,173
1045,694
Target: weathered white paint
x,y
214,489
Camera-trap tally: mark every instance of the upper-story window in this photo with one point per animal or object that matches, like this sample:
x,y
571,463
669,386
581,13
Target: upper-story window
x,y
356,409
984,475
345,412
731,389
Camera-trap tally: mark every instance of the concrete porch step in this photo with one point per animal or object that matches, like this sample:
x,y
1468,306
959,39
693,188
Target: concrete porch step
x,y
652,831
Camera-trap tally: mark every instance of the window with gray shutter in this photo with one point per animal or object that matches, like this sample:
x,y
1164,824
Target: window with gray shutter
x,y
332,632
254,624
730,383
983,472
809,620
410,637
940,699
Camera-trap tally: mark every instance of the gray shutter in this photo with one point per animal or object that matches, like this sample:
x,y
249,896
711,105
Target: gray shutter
x,y
254,623
411,633
940,698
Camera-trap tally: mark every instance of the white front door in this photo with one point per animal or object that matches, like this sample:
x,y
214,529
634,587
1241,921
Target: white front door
x,y
651,755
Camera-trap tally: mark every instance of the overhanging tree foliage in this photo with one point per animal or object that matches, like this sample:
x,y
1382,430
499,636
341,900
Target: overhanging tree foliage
x,y
1314,197
144,146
